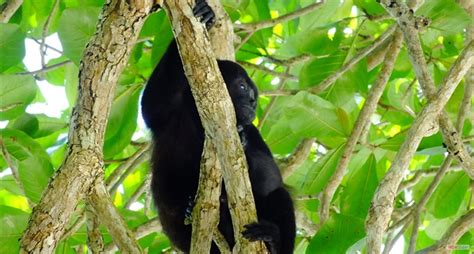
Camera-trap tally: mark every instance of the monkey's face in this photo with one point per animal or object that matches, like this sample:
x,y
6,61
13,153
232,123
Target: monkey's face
x,y
242,90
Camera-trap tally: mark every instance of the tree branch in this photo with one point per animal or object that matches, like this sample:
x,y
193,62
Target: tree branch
x,y
113,181
107,213
104,59
323,85
44,34
45,68
363,120
262,68
217,116
143,230
424,199
9,8
452,235
140,190
206,211
95,241
382,203
409,24
297,158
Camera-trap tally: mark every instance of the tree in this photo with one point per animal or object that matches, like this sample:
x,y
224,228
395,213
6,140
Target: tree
x,y
365,105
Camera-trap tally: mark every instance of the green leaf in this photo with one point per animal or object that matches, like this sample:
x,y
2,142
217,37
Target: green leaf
x,y
315,42
72,83
34,15
57,75
306,115
446,16
318,176
448,197
76,27
12,45
163,36
338,234
37,126
34,166
370,7
320,68
322,16
360,188
122,121
13,223
16,92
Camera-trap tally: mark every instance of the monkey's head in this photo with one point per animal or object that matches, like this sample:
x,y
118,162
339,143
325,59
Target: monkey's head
x,y
242,90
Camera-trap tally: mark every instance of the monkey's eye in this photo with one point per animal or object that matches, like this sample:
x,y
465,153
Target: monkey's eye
x,y
243,86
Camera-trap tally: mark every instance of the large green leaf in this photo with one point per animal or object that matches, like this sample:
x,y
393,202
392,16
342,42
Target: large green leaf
x,y
76,27
163,35
360,188
16,92
338,234
306,115
34,15
12,45
34,166
13,223
370,7
318,176
449,195
122,121
317,70
37,126
446,16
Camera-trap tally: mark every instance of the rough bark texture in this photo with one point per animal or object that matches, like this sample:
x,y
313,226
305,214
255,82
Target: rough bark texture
x,y
222,33
206,209
103,61
9,8
383,201
409,23
108,215
217,116
95,241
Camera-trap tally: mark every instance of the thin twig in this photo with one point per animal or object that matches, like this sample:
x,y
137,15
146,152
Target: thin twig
x,y
333,77
45,68
272,102
282,75
284,18
244,40
145,229
140,190
297,158
452,235
45,32
47,46
424,199
115,176
362,121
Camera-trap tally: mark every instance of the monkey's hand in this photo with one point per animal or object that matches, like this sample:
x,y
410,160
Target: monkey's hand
x,y
204,13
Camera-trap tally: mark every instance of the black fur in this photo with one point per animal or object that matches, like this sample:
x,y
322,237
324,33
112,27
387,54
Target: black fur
x,y
170,112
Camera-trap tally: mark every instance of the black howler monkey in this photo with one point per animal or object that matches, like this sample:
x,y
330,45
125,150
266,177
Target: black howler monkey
x,y
170,112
